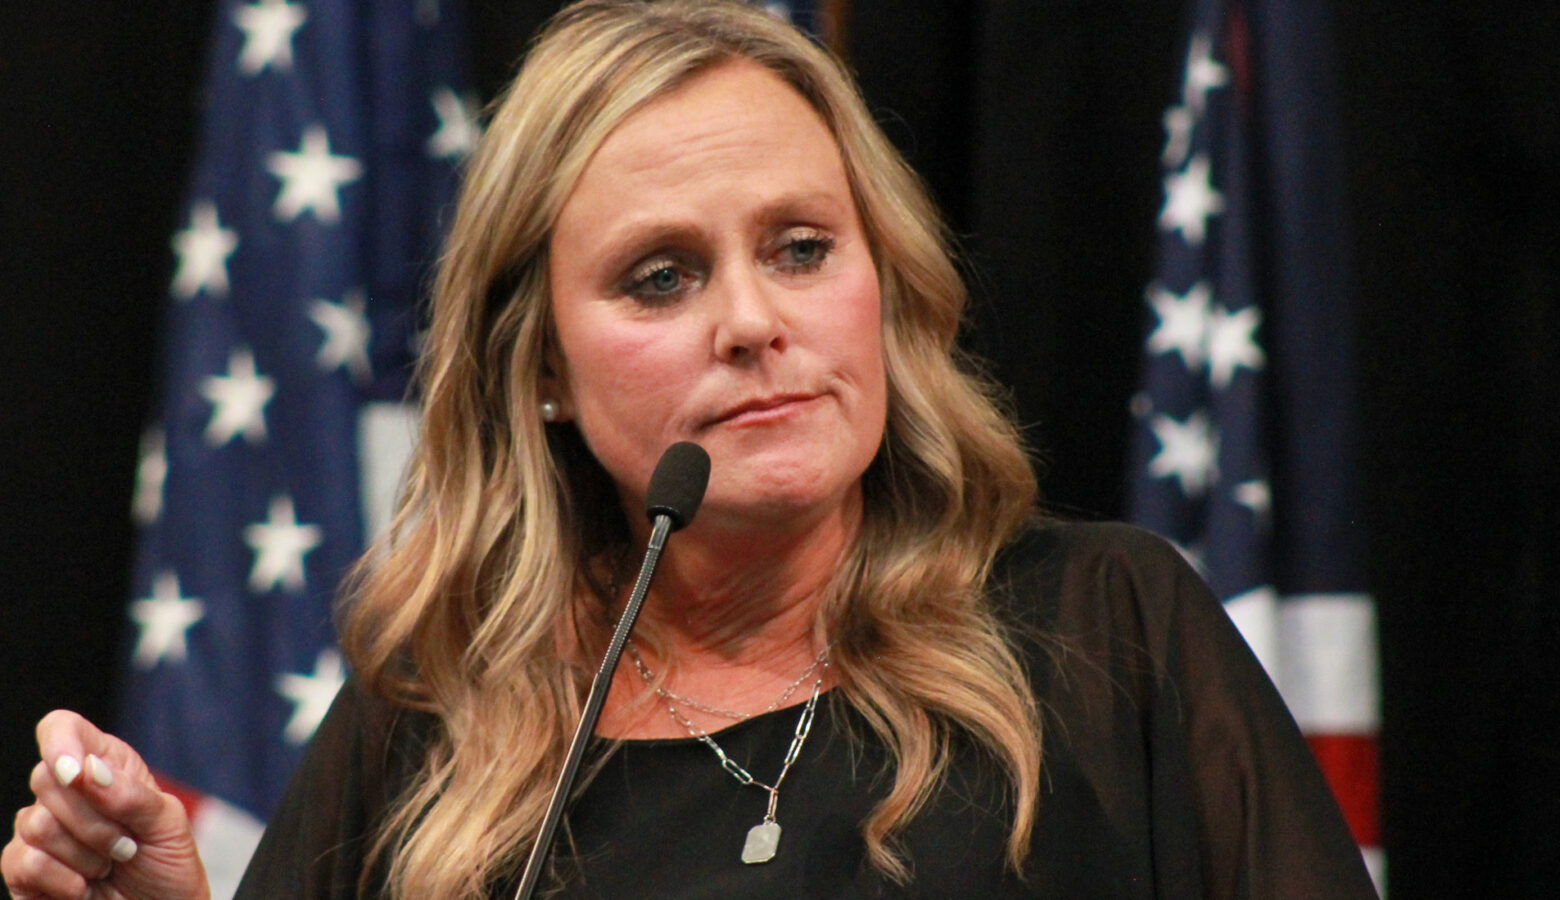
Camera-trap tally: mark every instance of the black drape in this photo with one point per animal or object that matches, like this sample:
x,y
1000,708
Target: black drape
x,y
1037,125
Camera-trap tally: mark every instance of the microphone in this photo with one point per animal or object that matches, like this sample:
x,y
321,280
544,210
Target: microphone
x,y
675,492
677,485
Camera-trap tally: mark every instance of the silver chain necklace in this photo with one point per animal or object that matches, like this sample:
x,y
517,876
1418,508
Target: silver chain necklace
x,y
763,839
721,711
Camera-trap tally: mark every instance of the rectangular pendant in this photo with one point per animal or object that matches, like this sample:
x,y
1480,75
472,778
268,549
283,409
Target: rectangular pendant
x,y
762,841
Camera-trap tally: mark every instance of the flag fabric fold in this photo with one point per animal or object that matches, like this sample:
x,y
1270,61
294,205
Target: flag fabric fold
x,y
331,138
1244,447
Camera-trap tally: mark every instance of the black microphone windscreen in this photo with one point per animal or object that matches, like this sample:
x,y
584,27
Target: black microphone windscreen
x,y
677,486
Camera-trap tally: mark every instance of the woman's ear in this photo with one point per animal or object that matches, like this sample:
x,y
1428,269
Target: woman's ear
x,y
554,397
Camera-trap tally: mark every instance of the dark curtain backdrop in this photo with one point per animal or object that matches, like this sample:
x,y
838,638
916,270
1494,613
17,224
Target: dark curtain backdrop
x,y
1037,125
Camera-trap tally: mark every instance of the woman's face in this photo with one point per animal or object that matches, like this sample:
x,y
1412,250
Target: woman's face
x,y
711,282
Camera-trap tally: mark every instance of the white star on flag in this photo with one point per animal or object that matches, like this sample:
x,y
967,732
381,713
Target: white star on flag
x,y
1183,322
311,695
1188,452
268,32
203,251
346,335
238,400
458,129
311,177
280,544
1203,74
151,473
1190,201
1232,344
164,617
1256,496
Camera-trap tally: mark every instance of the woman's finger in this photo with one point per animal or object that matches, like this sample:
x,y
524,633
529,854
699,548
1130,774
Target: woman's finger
x,y
33,873
79,817
68,743
95,777
37,827
64,741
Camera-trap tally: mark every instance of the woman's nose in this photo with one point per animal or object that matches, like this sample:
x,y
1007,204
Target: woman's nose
x,y
749,317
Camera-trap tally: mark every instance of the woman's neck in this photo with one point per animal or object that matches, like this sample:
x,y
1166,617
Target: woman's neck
x,y
731,620
731,605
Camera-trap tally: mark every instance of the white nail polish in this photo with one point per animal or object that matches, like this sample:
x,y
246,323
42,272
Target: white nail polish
x,y
66,768
123,849
99,771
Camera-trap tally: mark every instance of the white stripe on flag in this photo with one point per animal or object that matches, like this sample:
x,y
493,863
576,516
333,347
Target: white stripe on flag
x,y
386,434
1376,865
1327,669
226,837
1255,613
1320,649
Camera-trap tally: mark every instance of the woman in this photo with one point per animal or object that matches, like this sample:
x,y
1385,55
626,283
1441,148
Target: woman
x,y
683,225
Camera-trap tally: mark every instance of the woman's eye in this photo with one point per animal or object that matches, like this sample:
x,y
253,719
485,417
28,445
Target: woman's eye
x,y
663,280
805,253
658,281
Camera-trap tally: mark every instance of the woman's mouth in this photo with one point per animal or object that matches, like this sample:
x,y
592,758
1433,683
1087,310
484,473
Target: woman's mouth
x,y
763,410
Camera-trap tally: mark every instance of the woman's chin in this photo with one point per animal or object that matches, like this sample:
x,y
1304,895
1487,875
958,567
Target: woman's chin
x,y
788,504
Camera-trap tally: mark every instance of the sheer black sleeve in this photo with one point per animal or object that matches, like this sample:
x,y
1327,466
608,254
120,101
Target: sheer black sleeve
x,y
316,842
1152,694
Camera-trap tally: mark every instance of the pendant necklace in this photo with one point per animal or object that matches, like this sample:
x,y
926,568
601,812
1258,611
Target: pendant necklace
x,y
763,839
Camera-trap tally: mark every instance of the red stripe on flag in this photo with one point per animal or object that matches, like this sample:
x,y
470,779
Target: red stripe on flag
x,y
1350,764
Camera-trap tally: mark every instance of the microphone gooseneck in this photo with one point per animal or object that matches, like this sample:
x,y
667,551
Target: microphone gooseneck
x,y
675,492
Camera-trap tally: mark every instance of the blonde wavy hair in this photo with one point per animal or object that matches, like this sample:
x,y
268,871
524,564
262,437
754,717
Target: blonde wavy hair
x,y
485,605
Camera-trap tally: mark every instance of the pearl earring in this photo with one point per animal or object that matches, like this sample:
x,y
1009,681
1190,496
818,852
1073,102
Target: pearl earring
x,y
550,410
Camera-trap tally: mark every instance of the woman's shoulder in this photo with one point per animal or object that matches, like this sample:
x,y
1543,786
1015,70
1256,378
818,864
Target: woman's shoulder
x,y
1058,553
369,731
1054,541
1102,582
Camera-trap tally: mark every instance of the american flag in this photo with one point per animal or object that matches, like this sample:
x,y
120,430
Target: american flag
x,y
1243,450
332,134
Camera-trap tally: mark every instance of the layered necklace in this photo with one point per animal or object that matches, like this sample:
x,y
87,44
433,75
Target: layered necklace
x,y
763,839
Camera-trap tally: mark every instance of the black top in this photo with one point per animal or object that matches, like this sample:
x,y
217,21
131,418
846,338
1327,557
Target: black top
x,y
1171,769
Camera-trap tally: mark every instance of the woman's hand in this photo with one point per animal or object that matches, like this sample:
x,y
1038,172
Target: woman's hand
x,y
101,827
